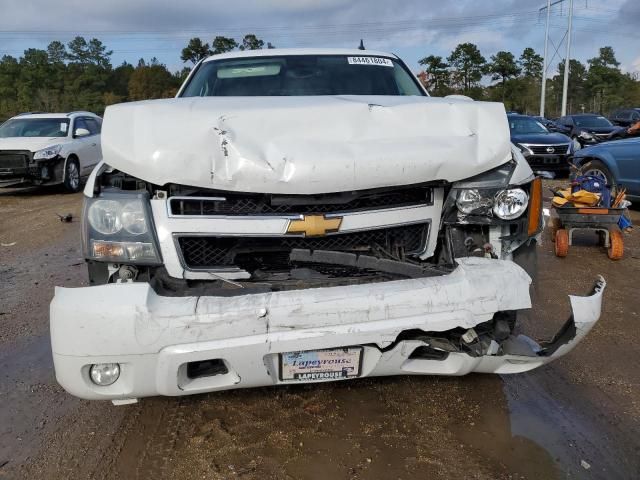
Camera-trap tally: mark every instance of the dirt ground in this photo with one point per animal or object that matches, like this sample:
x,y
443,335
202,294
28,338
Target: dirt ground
x,y
576,418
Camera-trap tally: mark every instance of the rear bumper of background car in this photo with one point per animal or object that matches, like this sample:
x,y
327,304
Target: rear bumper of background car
x,y
153,337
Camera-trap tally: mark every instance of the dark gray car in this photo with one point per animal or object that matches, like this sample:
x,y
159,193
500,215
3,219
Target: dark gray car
x,y
625,116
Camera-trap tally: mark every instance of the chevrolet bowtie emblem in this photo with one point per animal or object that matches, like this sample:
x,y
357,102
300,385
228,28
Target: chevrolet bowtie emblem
x,y
314,225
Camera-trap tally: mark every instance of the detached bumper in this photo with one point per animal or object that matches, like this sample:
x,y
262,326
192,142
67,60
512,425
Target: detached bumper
x,y
153,338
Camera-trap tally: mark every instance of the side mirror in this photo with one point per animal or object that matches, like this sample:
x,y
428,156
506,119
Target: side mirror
x,y
81,132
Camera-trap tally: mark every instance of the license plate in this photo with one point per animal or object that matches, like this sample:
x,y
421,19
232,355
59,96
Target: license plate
x,y
310,365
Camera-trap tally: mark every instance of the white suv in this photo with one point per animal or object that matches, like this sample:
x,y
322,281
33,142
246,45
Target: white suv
x,y
298,216
49,149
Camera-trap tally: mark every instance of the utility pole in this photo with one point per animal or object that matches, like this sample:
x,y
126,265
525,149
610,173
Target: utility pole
x,y
550,4
565,84
543,93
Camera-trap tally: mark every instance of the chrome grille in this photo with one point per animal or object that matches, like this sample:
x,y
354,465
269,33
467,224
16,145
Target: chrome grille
x,y
562,149
251,204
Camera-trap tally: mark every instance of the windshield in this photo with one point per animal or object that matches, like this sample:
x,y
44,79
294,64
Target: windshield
x,y
524,125
35,127
301,75
595,121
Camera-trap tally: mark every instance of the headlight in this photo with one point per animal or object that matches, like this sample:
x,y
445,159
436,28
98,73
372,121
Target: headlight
x,y
105,216
585,135
510,204
506,204
133,218
47,153
118,228
525,151
474,202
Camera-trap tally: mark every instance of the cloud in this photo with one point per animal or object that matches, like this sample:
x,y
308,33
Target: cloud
x,y
145,28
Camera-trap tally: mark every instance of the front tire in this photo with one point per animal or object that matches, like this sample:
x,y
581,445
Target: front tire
x,y
596,168
72,175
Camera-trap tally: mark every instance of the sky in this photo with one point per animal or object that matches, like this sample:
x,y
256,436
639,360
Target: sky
x,y
412,29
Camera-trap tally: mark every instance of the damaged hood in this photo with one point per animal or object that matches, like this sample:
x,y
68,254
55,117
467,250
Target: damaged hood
x,y
29,143
304,145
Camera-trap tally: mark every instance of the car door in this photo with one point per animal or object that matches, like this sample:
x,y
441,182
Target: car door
x,y
627,158
85,146
95,127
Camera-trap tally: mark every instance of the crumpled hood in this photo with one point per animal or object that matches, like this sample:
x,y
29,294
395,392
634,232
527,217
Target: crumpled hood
x,y
32,144
304,145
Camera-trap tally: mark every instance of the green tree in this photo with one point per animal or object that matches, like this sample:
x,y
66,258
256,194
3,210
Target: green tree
x,y
467,65
251,42
151,80
223,44
34,81
576,97
57,52
78,51
9,72
604,81
530,63
502,67
437,78
93,52
98,54
195,51
118,83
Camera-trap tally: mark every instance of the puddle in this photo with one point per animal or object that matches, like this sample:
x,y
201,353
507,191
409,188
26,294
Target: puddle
x,y
491,435
555,421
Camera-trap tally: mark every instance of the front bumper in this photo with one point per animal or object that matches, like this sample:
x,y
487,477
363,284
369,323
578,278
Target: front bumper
x,y
153,337
33,172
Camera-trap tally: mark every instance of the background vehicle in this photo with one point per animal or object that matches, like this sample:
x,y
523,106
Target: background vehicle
x,y
551,125
586,128
625,132
625,116
49,149
544,150
618,162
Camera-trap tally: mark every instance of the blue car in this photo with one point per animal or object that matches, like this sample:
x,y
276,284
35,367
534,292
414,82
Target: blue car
x,y
618,162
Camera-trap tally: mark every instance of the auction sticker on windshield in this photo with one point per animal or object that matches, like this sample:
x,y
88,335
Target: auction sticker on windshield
x,y
321,364
384,62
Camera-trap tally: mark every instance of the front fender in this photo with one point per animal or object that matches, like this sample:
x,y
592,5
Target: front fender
x,y
583,156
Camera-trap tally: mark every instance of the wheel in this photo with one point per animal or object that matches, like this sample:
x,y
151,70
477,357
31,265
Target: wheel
x,y
72,175
596,168
562,242
616,245
554,225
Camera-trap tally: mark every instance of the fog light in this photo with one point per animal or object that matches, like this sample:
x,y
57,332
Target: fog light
x,y
104,374
44,173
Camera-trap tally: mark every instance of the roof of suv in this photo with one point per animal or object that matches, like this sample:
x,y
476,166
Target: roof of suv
x,y
267,52
54,115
